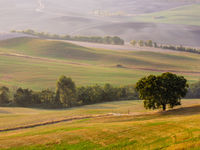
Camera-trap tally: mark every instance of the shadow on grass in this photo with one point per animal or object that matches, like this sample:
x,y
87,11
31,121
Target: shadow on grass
x,y
192,110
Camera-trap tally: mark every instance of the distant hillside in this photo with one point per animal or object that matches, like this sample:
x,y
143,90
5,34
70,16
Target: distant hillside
x,y
37,63
45,48
124,18
5,36
188,15
67,51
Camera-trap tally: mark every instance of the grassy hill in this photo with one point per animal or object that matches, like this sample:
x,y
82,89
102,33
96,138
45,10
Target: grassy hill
x,y
188,15
141,129
37,63
44,48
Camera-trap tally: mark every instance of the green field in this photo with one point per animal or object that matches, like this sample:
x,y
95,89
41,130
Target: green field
x,y
188,15
141,129
37,64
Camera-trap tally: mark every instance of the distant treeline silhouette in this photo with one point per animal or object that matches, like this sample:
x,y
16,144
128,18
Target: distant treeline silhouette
x,y
150,43
115,40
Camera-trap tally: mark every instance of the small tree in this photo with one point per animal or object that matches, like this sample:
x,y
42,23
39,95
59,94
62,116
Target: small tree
x,y
149,43
23,97
163,90
141,43
90,94
133,42
48,97
4,95
66,91
109,92
155,45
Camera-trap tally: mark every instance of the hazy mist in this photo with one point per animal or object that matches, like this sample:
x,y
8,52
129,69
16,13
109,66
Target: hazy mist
x,y
91,17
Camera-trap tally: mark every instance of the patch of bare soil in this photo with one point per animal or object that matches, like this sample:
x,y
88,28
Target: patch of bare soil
x,y
53,122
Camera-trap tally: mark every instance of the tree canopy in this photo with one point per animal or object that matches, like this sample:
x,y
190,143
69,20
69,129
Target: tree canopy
x,y
66,91
4,95
160,91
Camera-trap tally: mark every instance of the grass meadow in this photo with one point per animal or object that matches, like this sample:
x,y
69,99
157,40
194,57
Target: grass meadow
x,y
141,129
37,64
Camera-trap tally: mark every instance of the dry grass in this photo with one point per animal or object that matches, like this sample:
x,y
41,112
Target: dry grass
x,y
175,129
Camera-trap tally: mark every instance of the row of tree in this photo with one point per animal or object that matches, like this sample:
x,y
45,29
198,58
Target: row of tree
x,y
150,43
115,40
67,95
157,92
142,43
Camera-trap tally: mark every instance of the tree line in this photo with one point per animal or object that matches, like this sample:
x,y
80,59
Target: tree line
x,y
156,92
150,43
66,95
114,40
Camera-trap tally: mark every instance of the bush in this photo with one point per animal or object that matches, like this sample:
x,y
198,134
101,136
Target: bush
x,y
48,97
23,97
90,94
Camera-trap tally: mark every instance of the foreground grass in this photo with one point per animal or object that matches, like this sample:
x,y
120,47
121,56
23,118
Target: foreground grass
x,y
179,129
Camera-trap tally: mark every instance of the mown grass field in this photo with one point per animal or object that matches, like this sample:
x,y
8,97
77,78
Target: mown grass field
x,y
188,15
142,129
37,64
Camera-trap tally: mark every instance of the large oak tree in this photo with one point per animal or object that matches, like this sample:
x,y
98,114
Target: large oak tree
x,y
160,91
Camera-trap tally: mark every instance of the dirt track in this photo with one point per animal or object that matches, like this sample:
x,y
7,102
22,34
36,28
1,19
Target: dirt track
x,y
53,122
179,111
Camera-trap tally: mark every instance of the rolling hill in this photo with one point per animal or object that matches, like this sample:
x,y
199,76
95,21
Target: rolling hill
x,y
188,15
37,63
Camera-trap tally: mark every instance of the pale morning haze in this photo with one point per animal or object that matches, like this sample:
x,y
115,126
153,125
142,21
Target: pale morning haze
x,y
99,74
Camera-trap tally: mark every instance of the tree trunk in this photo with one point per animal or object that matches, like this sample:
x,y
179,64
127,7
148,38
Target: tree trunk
x,y
164,107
